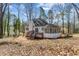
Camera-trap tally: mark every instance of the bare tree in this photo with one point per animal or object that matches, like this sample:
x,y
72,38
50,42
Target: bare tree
x,y
57,17
50,16
74,23
76,9
18,20
2,11
8,23
62,16
68,11
29,10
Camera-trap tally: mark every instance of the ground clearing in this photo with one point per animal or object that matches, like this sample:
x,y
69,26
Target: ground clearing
x,y
22,46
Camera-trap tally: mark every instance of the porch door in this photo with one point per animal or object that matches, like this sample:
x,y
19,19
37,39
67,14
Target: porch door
x,y
36,30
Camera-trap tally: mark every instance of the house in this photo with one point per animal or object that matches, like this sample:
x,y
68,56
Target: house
x,y
40,28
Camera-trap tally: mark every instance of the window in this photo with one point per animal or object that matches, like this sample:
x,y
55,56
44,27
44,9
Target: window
x,y
52,30
27,29
43,29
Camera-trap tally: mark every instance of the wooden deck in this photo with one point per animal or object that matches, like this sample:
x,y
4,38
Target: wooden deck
x,y
33,35
39,35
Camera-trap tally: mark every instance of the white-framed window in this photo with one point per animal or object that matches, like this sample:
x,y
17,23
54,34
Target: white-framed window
x,y
52,30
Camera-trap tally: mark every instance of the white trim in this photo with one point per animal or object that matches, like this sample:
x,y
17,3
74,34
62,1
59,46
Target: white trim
x,y
52,35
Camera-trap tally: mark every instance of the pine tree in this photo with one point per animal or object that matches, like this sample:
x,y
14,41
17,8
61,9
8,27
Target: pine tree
x,y
42,13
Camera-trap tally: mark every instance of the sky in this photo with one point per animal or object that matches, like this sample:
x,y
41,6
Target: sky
x,y
45,6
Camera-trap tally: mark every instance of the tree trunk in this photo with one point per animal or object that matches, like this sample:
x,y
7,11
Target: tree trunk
x,y
1,27
4,22
8,27
63,23
68,24
74,24
2,11
18,23
1,21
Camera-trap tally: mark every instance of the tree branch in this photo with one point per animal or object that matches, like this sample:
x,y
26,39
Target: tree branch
x,y
4,8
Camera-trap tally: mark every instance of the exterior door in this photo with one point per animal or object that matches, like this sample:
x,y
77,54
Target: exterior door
x,y
36,30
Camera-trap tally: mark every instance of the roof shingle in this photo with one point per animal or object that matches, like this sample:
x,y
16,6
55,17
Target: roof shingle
x,y
39,22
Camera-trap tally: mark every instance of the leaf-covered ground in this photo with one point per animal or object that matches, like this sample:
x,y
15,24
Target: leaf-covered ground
x,y
22,46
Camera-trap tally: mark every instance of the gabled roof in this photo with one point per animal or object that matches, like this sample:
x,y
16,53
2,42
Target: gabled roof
x,y
40,22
